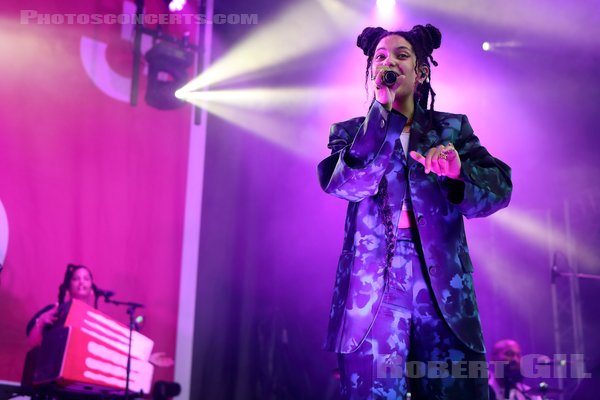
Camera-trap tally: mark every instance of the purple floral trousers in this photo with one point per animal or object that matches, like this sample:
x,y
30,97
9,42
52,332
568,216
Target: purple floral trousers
x,y
410,351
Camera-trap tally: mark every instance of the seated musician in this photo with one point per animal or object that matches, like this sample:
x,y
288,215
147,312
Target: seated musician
x,y
78,284
508,384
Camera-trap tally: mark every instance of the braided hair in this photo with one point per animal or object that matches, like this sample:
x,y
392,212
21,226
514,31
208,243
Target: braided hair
x,y
423,39
66,283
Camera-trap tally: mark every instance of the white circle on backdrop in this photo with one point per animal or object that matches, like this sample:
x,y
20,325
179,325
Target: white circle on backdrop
x,y
3,233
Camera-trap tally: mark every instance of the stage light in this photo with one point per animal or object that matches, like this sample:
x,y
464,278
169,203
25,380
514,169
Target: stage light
x,y
495,46
386,14
553,20
139,322
273,46
385,6
180,94
167,71
176,5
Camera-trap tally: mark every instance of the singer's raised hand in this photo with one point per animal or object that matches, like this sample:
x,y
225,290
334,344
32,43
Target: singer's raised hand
x,y
441,160
383,93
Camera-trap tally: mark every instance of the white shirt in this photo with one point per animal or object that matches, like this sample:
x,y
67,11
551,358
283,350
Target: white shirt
x,y
404,136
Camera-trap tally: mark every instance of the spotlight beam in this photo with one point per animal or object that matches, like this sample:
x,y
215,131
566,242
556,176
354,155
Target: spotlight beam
x,y
278,42
288,99
269,113
536,232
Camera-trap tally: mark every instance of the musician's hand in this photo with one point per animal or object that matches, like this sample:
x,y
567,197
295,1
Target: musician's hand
x,y
161,359
441,160
47,318
383,93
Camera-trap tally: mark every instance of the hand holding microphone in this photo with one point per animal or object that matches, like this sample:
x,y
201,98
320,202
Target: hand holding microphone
x,y
386,82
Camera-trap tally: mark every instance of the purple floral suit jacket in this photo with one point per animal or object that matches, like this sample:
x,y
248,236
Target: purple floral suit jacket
x,y
363,151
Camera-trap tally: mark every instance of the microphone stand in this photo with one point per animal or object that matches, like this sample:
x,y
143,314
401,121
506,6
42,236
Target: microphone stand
x,y
556,273
131,307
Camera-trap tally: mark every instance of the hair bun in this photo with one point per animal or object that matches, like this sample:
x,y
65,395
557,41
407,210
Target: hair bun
x,y
369,37
435,36
428,35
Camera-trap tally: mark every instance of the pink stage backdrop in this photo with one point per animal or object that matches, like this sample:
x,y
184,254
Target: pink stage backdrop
x,y
85,178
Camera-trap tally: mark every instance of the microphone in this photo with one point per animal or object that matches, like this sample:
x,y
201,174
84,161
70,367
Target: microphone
x,y
107,294
389,77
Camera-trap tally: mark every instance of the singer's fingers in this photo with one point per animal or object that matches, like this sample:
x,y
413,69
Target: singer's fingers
x,y
443,162
454,163
449,155
451,152
428,159
417,157
378,77
436,154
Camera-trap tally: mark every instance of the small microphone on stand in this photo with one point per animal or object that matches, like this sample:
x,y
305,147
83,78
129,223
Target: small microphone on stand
x,y
107,294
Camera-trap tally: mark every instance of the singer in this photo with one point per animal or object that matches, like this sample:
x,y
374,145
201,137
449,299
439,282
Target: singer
x,y
404,308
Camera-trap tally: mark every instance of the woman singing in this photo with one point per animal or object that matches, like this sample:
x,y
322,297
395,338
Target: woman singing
x,y
404,318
